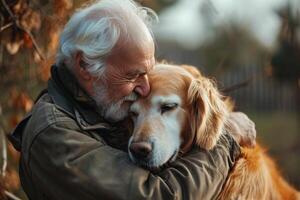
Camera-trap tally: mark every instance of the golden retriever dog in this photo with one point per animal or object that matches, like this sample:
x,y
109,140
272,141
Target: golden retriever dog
x,y
185,108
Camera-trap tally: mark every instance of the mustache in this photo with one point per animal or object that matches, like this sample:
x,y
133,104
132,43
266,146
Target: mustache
x,y
131,97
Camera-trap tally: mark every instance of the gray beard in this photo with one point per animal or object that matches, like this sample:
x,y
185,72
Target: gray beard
x,y
112,111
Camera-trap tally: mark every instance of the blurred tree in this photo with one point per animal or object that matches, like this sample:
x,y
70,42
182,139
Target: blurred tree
x,y
286,61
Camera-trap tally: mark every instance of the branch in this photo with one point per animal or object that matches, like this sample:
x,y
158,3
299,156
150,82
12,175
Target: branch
x,y
8,10
16,22
6,26
34,43
238,85
4,153
11,196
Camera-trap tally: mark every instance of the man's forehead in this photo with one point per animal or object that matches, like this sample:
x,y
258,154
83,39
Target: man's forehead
x,y
149,64
140,70
152,63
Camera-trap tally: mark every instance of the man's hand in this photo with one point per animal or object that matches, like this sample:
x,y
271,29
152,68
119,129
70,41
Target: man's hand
x,y
241,128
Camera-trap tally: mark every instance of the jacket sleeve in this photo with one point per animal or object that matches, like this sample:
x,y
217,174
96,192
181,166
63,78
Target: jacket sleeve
x,y
67,164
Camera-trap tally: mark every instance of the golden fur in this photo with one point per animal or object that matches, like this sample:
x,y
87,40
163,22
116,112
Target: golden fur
x,y
254,175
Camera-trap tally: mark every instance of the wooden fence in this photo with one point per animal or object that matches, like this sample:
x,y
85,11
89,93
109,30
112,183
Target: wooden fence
x,y
261,93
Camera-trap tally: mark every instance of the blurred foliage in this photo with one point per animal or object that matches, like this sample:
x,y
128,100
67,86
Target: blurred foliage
x,y
29,37
286,61
233,45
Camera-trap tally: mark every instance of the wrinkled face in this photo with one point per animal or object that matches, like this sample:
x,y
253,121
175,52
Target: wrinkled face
x,y
125,78
159,119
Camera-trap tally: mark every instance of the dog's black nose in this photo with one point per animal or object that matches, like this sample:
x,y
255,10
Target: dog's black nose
x,y
140,150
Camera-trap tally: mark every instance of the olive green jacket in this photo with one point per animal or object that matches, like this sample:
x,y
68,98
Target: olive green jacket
x,y
68,152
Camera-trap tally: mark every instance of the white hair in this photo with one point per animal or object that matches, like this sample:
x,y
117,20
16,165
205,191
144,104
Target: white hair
x,y
94,30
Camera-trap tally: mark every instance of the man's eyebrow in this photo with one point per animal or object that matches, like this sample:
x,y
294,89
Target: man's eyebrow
x,y
137,72
142,71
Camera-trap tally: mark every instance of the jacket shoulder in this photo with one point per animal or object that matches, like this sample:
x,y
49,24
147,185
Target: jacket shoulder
x,y
44,115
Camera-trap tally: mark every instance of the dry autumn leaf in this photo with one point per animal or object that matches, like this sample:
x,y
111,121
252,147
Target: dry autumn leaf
x,y
61,7
22,102
31,20
2,195
44,70
14,120
15,155
27,41
13,46
11,180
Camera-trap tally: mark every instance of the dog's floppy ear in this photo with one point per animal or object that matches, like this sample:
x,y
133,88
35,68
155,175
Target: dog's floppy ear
x,y
208,112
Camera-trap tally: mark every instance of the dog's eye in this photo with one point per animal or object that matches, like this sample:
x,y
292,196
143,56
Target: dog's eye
x,y
133,114
168,107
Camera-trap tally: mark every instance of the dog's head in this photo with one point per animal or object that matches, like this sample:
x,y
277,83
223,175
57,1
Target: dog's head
x,y
183,108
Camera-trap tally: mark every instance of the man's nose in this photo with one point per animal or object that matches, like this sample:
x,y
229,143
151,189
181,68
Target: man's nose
x,y
143,86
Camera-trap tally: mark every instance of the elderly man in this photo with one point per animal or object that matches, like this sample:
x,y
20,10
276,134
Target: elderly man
x,y
71,143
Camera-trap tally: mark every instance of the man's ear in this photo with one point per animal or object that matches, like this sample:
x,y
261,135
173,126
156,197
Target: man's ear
x,y
208,112
83,73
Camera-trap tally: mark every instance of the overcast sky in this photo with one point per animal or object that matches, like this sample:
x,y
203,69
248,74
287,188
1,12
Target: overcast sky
x,y
184,22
